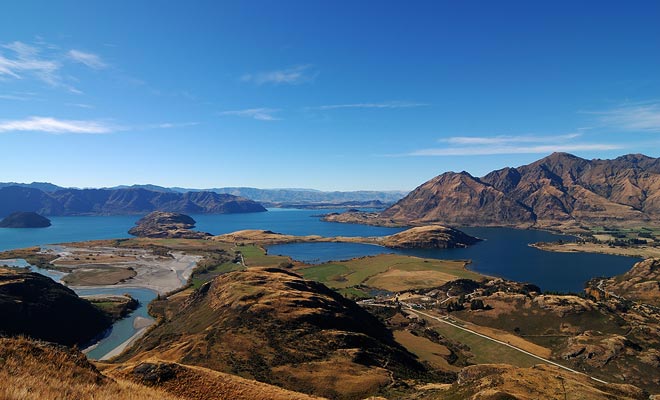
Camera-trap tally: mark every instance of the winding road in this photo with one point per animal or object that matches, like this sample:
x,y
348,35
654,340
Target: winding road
x,y
412,310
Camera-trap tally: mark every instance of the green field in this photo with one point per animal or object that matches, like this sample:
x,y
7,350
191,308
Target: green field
x,y
255,256
388,272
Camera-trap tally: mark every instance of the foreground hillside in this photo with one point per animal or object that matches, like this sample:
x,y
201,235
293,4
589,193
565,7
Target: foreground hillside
x,y
273,326
503,382
560,191
36,306
35,370
119,201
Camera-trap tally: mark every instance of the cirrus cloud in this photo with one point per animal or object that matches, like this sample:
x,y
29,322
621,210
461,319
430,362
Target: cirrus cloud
x,y
261,114
91,60
512,144
55,126
292,76
640,117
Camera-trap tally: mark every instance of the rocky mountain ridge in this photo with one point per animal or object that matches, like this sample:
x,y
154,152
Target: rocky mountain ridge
x,y
560,190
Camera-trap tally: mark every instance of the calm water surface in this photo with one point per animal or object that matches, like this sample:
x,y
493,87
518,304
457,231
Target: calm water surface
x,y
289,221
504,252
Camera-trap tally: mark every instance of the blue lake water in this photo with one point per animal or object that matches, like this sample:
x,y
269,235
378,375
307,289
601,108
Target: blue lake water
x,y
80,228
504,253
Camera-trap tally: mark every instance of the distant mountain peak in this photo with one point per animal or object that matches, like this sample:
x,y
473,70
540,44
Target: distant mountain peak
x,y
558,189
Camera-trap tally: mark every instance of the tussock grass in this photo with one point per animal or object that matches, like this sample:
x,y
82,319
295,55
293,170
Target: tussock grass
x,y
33,370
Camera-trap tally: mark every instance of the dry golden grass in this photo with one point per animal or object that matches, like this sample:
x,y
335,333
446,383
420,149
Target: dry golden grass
x,y
396,280
426,350
510,338
198,383
31,370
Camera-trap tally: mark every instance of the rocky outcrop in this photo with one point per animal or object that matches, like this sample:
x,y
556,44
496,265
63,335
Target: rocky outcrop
x,y
499,381
36,306
24,220
120,201
429,237
159,224
641,283
559,190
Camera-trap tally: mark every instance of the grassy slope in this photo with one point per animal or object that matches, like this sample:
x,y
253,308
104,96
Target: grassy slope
x,y
33,370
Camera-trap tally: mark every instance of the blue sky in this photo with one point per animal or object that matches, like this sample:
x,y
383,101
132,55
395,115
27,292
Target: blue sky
x,y
333,95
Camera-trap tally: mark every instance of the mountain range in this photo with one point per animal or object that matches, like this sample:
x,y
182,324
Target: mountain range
x,y
119,201
558,191
271,196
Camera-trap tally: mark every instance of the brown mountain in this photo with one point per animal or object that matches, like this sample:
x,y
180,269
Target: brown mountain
x,y
560,190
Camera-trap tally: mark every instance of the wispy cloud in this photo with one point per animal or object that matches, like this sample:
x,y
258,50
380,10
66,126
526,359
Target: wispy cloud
x,y
389,104
292,76
63,126
25,60
43,62
261,114
18,96
640,117
55,126
505,139
491,150
512,144
91,60
80,105
170,125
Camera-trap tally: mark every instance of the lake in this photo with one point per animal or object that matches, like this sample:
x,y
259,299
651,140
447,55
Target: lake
x,y
504,252
81,228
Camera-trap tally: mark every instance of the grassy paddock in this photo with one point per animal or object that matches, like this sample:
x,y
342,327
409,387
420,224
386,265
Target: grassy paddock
x,y
390,272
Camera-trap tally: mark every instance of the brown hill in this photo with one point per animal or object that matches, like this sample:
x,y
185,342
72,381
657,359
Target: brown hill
x,y
33,370
196,383
559,190
273,326
36,306
429,237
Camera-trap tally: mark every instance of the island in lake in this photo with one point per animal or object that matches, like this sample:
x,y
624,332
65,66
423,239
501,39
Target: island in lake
x,y
21,219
